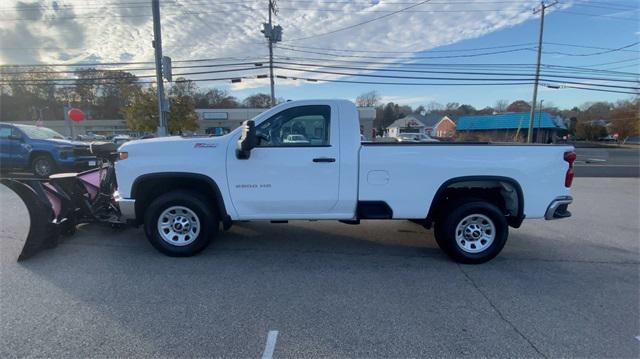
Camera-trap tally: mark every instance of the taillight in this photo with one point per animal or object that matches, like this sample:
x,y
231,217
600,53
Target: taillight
x,y
570,157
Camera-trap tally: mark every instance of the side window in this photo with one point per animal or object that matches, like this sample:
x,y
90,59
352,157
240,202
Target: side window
x,y
300,126
5,132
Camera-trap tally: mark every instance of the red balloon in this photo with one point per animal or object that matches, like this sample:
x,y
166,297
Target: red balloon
x,y
76,114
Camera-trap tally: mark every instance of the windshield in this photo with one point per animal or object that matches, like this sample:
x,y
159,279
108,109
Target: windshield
x,y
39,133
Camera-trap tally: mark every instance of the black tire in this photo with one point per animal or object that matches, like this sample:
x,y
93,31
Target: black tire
x,y
206,216
445,231
43,166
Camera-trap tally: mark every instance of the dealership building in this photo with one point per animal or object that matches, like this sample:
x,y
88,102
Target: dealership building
x,y
211,121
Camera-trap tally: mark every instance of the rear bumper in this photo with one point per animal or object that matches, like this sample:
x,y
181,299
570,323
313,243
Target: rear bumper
x,y
558,208
127,206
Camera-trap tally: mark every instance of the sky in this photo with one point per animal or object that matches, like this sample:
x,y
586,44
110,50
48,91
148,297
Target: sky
x,y
333,40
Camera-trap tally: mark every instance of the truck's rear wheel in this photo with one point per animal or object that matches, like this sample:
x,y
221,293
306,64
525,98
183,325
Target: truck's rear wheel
x,y
180,223
472,231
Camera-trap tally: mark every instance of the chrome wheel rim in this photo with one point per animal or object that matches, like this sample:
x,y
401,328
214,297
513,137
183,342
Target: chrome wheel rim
x,y
42,167
475,233
178,226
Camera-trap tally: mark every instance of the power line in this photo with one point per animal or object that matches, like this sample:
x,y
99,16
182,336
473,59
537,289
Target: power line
x,y
404,83
586,47
260,76
550,67
409,52
297,48
89,79
606,16
409,57
95,64
441,84
450,79
595,53
613,62
386,69
361,23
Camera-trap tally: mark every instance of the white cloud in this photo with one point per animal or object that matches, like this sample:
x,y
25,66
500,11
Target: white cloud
x,y
192,30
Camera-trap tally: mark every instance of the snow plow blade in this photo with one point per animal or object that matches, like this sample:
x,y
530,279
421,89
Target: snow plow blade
x,y
57,204
43,230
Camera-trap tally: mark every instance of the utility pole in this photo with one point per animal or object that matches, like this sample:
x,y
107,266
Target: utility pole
x,y
273,35
273,94
157,45
541,10
537,139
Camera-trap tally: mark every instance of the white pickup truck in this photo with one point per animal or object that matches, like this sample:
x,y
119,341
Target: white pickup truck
x,y
304,160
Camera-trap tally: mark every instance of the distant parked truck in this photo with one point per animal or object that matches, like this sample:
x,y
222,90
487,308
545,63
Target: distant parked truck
x,y
41,150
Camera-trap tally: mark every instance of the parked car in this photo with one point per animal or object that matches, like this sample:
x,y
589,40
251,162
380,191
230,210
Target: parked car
x,y
41,150
295,139
181,188
419,137
120,139
90,137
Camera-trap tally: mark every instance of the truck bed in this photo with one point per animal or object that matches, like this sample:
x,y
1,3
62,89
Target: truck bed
x,y
408,175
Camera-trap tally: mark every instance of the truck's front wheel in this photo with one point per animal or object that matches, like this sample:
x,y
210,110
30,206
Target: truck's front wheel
x,y
180,223
472,231
43,166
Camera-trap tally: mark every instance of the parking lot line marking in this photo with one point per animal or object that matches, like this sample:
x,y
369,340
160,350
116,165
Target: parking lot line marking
x,y
271,344
638,337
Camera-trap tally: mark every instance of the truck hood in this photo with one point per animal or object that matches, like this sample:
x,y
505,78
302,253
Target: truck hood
x,y
173,146
61,142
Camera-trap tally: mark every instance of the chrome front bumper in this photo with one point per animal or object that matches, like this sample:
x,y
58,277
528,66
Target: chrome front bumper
x,y
127,206
558,208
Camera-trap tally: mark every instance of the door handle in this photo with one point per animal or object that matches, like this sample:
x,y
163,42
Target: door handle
x,y
324,159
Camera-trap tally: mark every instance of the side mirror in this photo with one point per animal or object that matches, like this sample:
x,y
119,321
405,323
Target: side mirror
x,y
15,137
247,141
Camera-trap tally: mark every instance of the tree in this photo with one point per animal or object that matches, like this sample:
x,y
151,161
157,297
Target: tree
x,y
215,98
389,114
519,106
486,111
420,109
590,132
182,115
501,106
403,111
434,106
464,110
259,100
452,106
368,99
625,119
141,114
27,90
592,111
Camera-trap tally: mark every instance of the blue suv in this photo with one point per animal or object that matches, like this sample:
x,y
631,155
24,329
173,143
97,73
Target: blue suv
x,y
41,150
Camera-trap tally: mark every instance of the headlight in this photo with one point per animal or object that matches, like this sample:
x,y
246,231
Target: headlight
x,y
123,155
66,154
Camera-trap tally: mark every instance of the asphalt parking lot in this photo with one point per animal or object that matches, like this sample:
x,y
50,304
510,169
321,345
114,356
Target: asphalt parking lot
x,y
566,288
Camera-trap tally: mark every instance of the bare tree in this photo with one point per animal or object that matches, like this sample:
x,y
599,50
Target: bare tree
x,y
501,106
259,100
434,106
368,99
